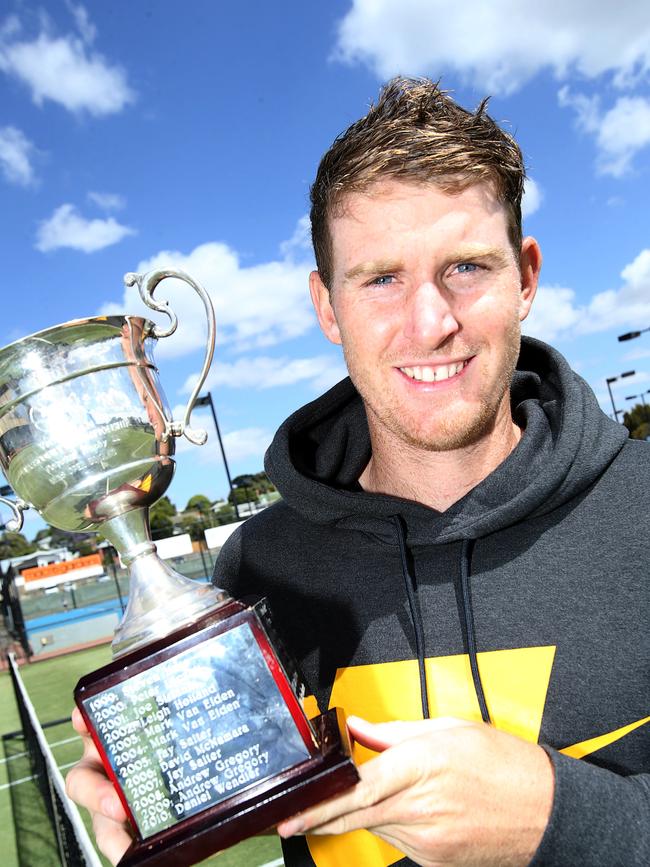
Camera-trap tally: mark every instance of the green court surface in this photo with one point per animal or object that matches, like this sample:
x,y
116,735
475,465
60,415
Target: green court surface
x,y
26,839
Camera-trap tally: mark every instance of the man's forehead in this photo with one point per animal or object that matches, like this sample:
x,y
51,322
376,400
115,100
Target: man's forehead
x,y
393,188
366,240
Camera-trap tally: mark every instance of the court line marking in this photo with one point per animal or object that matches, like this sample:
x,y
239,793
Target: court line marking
x,y
17,782
53,744
279,862
61,768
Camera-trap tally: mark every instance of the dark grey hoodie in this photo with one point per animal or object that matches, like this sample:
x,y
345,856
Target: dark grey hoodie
x,y
526,603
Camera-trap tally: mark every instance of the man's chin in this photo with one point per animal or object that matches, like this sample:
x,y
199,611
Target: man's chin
x,y
446,436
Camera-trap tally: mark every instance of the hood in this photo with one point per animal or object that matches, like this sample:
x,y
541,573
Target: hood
x,y
321,450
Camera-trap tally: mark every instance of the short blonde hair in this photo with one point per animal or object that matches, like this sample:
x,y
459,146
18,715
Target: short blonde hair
x,y
416,132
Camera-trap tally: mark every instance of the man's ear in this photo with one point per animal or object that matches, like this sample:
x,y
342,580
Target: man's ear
x,y
530,265
320,296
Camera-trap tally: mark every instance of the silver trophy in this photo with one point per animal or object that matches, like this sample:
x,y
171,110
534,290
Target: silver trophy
x,y
199,719
87,439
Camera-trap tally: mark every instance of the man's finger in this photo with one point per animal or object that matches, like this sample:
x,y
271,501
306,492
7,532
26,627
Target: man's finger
x,y
78,723
382,777
112,837
388,817
90,788
380,736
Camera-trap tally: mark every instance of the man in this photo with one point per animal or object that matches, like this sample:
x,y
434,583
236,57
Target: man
x,y
453,562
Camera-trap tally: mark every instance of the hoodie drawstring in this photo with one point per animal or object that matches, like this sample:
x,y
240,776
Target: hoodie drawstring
x,y
464,603
465,612
416,615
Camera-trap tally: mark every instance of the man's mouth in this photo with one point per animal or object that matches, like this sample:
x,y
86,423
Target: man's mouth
x,y
434,372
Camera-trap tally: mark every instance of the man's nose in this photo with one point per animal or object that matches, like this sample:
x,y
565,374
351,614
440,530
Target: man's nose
x,y
431,318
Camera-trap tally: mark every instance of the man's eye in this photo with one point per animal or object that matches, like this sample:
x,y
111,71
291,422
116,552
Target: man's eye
x,y
466,267
382,280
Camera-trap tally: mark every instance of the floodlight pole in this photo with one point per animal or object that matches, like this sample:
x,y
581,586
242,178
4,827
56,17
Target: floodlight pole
x,y
206,400
611,379
635,396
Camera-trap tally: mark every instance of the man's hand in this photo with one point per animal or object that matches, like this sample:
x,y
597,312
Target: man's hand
x,y
88,785
443,791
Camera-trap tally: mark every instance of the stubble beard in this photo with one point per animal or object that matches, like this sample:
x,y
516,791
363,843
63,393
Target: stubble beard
x,y
450,434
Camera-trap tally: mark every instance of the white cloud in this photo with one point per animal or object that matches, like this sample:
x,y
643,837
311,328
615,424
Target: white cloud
x,y
532,197
85,26
15,152
255,306
247,443
555,312
627,306
587,108
620,132
107,201
625,129
321,371
299,244
67,228
62,69
501,45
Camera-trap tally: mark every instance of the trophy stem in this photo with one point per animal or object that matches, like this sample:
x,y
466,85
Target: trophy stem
x,y
161,600
130,534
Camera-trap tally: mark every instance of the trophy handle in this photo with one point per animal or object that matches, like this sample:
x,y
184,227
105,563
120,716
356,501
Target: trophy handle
x,y
15,524
146,285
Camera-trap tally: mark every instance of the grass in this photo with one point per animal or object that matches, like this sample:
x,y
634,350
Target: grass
x,y
25,838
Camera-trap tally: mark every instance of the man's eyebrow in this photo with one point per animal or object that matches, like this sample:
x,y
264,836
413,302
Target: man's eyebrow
x,y
378,266
469,252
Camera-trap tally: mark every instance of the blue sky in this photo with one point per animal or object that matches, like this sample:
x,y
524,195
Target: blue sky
x,y
137,135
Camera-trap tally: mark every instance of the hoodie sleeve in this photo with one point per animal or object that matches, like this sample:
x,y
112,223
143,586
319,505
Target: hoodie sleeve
x,y
599,818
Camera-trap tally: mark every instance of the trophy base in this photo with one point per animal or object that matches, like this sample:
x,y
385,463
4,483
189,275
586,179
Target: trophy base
x,y
205,737
325,775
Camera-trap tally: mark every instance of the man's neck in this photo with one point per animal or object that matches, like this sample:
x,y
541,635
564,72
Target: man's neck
x,y
436,478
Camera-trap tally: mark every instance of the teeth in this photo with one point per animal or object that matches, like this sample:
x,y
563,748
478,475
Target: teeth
x,y
433,374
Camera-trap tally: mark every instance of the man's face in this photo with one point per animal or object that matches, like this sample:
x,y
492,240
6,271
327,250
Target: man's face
x,y
427,297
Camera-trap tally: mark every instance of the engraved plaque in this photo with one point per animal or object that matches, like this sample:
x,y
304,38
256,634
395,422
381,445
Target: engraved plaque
x,y
204,735
192,731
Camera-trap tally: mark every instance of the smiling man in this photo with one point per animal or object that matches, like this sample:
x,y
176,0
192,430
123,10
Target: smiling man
x,y
455,561
426,296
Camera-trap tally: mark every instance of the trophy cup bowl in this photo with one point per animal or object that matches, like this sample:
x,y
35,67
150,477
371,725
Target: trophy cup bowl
x,y
199,718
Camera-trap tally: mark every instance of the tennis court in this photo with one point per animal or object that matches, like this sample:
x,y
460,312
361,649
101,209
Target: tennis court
x,y
26,839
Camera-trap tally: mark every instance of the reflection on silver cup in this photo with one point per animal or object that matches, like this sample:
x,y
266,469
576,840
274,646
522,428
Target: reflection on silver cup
x,y
87,439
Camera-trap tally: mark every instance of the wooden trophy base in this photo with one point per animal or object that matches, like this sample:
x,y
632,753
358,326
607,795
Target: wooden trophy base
x,y
206,740
325,775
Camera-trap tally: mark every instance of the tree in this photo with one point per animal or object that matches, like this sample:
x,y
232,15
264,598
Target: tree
x,y
161,517
199,503
42,538
258,481
243,494
247,489
15,545
225,514
637,421
194,526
